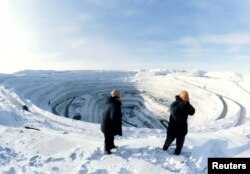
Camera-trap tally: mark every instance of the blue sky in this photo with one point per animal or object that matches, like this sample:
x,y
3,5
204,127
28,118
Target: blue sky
x,y
211,35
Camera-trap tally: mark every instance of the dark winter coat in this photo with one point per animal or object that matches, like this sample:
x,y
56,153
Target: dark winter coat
x,y
112,117
178,118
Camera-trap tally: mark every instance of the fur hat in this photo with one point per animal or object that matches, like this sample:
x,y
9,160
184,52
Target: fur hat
x,y
115,93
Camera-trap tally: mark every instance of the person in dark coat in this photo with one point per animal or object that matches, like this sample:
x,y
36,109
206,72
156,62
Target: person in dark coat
x,y
112,121
178,127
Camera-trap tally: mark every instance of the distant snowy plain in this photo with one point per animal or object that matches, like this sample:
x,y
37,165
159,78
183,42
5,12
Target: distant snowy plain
x,y
65,109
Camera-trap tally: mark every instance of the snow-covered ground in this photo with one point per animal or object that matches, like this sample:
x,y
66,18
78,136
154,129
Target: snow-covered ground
x,y
58,144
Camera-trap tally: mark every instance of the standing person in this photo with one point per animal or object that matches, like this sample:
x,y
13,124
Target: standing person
x,y
178,128
112,120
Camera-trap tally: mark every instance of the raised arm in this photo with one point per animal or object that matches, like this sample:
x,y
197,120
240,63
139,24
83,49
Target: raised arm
x,y
191,109
176,108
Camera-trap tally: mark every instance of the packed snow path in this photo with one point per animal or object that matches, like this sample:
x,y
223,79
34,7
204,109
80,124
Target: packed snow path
x,y
220,127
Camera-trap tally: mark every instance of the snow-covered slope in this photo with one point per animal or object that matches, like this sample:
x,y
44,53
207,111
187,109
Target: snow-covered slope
x,y
220,127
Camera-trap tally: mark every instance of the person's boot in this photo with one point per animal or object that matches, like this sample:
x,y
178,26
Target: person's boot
x,y
107,151
165,148
177,152
114,147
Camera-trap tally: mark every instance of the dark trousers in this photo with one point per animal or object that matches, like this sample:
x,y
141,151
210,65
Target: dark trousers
x,y
108,142
179,143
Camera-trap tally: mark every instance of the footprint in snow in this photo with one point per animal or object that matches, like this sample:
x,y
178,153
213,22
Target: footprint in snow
x,y
96,155
73,156
83,169
35,161
77,153
6,155
55,169
12,170
51,159
100,171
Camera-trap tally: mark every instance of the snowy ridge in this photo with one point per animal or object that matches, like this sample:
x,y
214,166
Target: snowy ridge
x,y
220,127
